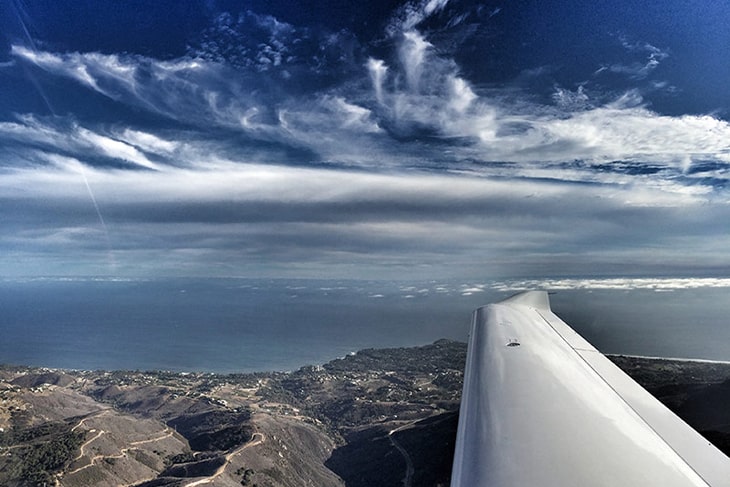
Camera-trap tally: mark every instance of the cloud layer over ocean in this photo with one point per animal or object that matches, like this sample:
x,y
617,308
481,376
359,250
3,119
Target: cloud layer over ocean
x,y
273,143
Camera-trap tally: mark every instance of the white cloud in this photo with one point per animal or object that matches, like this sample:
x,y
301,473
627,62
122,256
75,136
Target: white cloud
x,y
625,284
148,142
571,100
413,13
378,70
501,197
114,148
462,95
616,133
435,97
352,116
187,90
72,138
413,52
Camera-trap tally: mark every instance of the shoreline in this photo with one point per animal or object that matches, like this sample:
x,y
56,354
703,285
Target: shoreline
x,y
670,359
202,373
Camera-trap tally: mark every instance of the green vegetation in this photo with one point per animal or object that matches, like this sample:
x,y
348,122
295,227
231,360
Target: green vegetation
x,y
356,400
180,458
246,475
40,452
217,430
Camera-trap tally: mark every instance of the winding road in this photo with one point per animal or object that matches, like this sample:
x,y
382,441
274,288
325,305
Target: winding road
x,y
167,432
408,480
256,439
93,415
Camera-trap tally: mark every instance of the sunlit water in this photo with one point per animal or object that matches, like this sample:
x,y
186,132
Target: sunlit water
x,y
229,325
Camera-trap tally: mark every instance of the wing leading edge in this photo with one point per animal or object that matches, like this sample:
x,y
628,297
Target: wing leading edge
x,y
542,407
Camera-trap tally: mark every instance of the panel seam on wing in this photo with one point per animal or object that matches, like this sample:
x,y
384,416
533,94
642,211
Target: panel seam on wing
x,y
628,404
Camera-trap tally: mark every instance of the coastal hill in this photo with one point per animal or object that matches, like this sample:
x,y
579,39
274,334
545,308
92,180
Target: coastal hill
x,y
378,417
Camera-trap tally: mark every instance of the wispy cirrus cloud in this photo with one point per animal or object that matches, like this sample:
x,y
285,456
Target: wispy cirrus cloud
x,y
294,150
67,137
408,16
653,56
418,93
175,89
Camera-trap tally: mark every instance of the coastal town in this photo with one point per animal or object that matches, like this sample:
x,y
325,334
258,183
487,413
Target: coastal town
x,y
376,417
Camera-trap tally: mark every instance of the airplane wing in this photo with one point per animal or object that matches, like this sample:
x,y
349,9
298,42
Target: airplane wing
x,y
542,407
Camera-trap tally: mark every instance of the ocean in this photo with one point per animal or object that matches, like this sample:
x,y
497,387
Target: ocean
x,y
246,325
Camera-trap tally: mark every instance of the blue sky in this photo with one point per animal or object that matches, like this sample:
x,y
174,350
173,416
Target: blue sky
x,y
431,139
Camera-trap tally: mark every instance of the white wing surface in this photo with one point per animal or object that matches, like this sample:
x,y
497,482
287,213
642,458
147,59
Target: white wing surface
x,y
542,407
